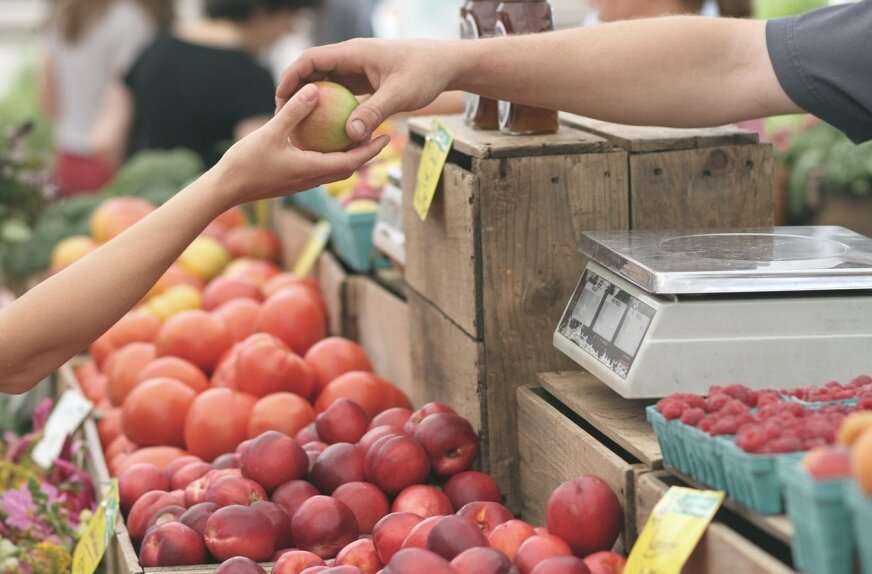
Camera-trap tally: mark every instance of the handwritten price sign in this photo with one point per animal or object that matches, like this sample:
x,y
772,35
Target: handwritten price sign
x,y
436,148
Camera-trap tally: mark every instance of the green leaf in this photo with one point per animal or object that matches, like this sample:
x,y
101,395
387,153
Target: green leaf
x,y
15,231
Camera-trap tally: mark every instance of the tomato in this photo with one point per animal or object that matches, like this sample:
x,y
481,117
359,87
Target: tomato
x,y
335,356
295,316
239,316
195,336
217,422
283,412
265,365
373,393
123,369
176,368
154,413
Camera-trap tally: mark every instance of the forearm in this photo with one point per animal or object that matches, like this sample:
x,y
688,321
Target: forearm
x,y
64,314
671,71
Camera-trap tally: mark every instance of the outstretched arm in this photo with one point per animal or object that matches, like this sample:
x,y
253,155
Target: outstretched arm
x,y
65,313
681,71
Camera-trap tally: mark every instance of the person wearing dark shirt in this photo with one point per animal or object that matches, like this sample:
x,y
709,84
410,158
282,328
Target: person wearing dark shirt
x,y
200,86
677,71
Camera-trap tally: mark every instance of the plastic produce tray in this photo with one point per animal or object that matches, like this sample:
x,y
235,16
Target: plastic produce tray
x,y
754,479
860,505
352,237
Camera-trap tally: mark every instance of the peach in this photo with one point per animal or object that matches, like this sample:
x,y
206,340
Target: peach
x,y
68,251
416,561
605,563
226,460
315,446
454,534
273,459
538,548
144,508
188,474
342,421
232,490
340,463
481,560
240,565
292,494
425,411
280,520
368,503
375,433
295,561
323,525
362,554
197,515
389,533
115,215
561,565
173,467
397,416
423,500
195,492
488,515
240,531
395,462
827,462
323,130
470,486
166,514
137,480
508,537
257,270
307,434
586,514
254,242
417,537
223,289
240,318
172,544
450,442
346,569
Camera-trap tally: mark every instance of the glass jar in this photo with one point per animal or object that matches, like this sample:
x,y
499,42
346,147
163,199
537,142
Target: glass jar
x,y
478,19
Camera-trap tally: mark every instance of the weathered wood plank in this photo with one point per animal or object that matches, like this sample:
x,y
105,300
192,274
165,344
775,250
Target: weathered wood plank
x,y
293,229
333,282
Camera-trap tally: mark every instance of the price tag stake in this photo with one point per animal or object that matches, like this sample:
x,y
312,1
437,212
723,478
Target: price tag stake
x,y
313,249
97,534
433,158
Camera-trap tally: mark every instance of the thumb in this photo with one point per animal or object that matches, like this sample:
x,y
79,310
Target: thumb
x,y
297,108
370,114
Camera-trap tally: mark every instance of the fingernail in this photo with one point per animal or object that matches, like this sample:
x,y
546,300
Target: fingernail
x,y
309,92
359,129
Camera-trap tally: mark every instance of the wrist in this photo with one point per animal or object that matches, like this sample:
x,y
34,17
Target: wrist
x,y
462,58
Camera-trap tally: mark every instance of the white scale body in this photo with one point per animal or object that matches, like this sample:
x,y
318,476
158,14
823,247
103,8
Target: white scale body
x,y
657,312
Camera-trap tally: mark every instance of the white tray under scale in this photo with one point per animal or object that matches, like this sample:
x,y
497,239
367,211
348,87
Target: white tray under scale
x,y
657,312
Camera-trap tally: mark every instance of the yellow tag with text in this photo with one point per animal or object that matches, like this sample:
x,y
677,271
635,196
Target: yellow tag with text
x,y
313,249
97,534
433,158
673,530
261,212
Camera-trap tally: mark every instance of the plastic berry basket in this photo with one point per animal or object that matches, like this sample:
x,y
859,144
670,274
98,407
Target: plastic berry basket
x,y
821,517
671,437
860,505
312,200
753,479
705,456
817,405
351,237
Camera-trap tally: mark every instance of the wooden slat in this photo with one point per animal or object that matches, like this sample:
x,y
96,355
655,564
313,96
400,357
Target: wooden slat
x,y
492,144
721,550
332,280
293,230
533,211
620,419
443,253
553,449
720,187
383,332
643,139
447,366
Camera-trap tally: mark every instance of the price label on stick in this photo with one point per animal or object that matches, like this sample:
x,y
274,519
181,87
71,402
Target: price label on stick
x,y
67,415
313,249
673,530
97,534
436,149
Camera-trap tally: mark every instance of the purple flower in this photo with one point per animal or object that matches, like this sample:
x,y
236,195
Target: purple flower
x,y
41,413
19,509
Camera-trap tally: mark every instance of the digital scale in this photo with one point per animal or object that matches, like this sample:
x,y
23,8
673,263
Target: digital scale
x,y
657,312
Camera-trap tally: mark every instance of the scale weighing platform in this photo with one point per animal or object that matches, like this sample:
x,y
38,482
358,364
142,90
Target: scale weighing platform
x,y
657,312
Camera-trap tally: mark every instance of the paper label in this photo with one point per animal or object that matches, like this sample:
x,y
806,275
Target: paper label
x,y
673,530
313,249
97,534
66,417
433,158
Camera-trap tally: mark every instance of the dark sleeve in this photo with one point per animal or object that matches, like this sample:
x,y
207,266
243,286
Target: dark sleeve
x,y
255,95
823,60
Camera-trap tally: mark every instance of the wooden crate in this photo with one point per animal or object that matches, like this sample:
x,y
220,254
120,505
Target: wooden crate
x,y
555,447
496,258
722,550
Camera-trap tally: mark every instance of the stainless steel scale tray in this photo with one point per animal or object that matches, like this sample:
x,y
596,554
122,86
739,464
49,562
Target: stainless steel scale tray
x,y
759,260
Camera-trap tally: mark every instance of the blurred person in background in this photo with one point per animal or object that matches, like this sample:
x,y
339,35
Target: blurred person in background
x,y
340,20
88,44
199,86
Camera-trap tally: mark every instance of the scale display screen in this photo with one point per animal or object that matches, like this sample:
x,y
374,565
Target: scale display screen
x,y
606,322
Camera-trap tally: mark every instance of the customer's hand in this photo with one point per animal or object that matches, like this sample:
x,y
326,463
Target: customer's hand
x,y
402,76
264,164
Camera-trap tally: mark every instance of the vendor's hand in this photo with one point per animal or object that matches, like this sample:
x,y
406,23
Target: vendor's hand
x,y
265,164
402,76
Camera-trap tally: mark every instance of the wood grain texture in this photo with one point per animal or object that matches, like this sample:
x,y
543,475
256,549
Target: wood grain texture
x,y
719,187
721,551
493,144
553,449
620,419
383,332
333,282
642,139
533,211
443,253
447,366
293,230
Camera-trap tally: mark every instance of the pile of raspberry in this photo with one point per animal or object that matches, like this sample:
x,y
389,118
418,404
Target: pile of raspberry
x,y
762,421
859,388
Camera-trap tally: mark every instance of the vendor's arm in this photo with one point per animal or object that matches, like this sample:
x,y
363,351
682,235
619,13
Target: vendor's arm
x,y
65,313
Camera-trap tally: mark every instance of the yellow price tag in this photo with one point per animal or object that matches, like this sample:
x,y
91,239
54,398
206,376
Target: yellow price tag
x,y
261,212
97,534
313,249
673,530
433,158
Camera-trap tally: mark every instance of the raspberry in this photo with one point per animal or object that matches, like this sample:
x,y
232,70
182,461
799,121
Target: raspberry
x,y
692,416
725,426
811,443
716,402
865,404
706,424
834,385
738,392
714,390
734,407
860,381
752,439
783,444
671,407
